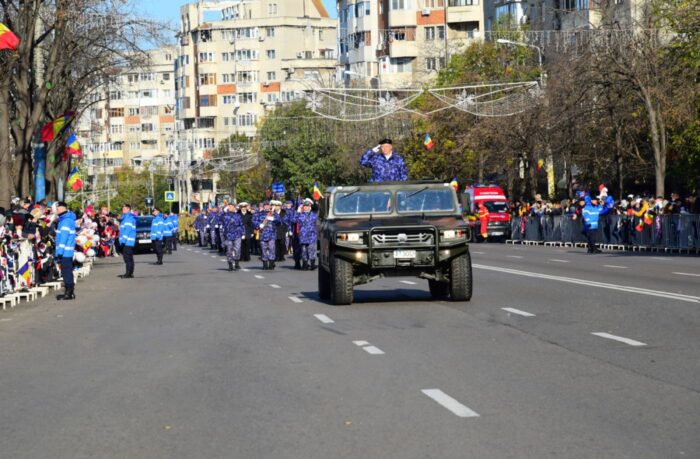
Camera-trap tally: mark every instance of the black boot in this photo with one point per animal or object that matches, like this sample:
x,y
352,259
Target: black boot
x,y
297,264
70,294
313,265
272,265
305,266
265,265
236,265
230,266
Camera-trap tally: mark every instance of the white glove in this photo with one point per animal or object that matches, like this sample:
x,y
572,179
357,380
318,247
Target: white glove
x,y
242,237
270,218
377,148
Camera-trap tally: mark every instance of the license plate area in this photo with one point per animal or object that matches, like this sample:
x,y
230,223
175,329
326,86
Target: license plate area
x,y
404,254
144,241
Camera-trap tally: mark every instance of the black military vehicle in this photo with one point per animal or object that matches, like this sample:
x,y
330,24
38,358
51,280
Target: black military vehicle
x,y
393,229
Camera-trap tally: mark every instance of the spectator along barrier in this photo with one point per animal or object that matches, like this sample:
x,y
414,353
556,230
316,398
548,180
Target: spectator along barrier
x,y
669,233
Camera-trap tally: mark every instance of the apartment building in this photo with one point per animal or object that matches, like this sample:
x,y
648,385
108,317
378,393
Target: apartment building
x,y
239,59
402,43
131,119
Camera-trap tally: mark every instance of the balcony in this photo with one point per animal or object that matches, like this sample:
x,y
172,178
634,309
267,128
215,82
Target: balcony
x,y
399,18
463,11
403,48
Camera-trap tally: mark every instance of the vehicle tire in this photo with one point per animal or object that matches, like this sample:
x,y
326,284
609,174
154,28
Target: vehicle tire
x,y
341,281
324,283
438,290
461,278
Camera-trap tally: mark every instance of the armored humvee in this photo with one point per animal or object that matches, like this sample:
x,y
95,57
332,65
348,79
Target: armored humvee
x,y
393,229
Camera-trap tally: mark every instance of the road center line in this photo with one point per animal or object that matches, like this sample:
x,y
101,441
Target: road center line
x,y
687,274
615,266
295,299
408,282
213,256
246,270
373,350
514,256
590,283
324,318
258,276
451,404
360,343
478,253
519,312
621,339
558,261
275,286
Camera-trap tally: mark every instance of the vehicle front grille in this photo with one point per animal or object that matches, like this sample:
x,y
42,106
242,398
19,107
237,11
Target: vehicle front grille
x,y
421,238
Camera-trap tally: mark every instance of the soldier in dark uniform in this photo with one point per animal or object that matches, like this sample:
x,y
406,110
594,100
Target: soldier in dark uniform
x,y
232,230
306,219
280,243
248,233
268,225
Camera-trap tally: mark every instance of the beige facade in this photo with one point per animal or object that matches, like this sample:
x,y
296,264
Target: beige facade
x,y
131,120
403,43
239,59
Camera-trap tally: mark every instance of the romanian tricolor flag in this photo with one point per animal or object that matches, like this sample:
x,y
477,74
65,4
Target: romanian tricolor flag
x,y
74,181
455,184
8,40
540,164
26,274
317,192
428,142
55,128
73,147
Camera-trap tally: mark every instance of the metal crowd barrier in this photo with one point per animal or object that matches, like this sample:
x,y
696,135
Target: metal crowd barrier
x,y
677,232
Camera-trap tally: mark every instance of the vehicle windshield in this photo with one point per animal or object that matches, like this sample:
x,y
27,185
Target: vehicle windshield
x,y
143,221
363,202
428,200
496,206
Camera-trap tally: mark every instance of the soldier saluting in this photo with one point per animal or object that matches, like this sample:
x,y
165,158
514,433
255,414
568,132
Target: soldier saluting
x,y
386,164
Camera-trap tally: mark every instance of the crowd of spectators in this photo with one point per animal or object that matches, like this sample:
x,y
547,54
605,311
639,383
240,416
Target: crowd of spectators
x,y
28,241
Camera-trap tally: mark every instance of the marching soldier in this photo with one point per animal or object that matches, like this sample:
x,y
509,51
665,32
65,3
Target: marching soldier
x,y
268,224
306,219
248,233
232,230
281,241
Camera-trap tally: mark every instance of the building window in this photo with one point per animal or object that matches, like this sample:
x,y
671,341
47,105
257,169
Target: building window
x,y
147,93
134,146
248,97
249,119
207,78
115,95
462,2
228,100
116,129
401,4
228,78
272,97
272,9
401,64
207,101
206,57
247,76
166,76
133,111
246,54
151,110
229,121
270,53
270,32
147,127
441,32
115,112
134,129
271,76
430,63
430,33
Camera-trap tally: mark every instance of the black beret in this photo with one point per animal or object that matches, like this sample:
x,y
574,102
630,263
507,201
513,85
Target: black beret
x,y
383,141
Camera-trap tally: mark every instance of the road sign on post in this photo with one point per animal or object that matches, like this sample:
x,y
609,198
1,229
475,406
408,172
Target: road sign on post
x,y
170,196
149,201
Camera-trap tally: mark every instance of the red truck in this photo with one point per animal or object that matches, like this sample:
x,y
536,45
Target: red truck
x,y
494,200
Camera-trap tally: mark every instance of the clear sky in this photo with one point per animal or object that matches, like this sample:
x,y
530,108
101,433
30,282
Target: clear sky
x,y
170,9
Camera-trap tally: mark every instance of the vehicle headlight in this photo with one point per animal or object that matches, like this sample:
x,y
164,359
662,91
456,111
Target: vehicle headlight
x,y
350,237
453,234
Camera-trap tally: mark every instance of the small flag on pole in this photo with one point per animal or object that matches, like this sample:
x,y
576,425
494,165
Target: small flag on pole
x,y
428,142
26,274
55,128
540,164
8,40
73,147
317,192
74,181
455,184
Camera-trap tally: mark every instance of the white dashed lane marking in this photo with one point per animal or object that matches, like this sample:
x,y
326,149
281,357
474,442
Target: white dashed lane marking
x,y
621,339
323,318
408,282
478,253
615,266
451,404
518,312
258,276
688,274
295,299
514,256
246,270
558,261
275,286
213,256
368,348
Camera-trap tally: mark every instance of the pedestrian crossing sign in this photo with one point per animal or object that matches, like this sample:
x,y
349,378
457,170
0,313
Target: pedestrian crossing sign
x,y
170,196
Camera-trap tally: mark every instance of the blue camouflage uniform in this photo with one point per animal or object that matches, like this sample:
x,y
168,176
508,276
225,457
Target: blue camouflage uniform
x,y
307,234
199,225
267,224
385,170
211,221
232,232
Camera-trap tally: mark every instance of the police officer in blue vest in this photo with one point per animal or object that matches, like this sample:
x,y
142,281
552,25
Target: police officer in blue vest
x,y
157,234
127,239
65,248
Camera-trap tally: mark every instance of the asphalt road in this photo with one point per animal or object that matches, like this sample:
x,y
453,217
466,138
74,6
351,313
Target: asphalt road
x,y
559,354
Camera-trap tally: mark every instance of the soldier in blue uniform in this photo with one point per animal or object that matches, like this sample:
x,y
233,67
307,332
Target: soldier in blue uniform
x,y
199,224
306,219
268,224
157,227
386,164
248,235
232,231
168,234
175,224
212,220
